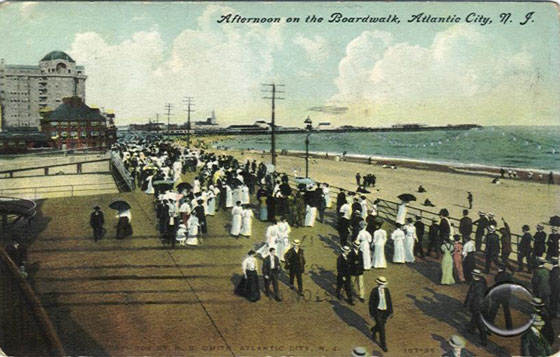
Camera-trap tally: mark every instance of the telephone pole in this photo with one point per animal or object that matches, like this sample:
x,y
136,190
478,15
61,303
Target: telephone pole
x,y
189,102
274,98
157,124
168,107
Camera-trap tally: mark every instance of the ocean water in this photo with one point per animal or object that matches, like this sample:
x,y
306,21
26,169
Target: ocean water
x,y
525,147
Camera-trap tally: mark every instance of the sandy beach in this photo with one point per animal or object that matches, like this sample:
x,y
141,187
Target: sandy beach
x,y
519,202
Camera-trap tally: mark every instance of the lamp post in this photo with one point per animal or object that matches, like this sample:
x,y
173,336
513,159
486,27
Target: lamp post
x,y
308,126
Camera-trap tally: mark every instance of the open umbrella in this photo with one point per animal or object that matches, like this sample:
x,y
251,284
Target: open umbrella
x,y
163,185
184,186
407,197
120,205
304,180
236,182
554,221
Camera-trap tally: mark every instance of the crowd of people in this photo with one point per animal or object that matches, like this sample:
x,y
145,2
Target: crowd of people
x,y
224,183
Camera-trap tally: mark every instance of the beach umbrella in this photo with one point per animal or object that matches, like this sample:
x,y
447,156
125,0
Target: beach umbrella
x,y
304,180
120,205
554,221
407,197
184,186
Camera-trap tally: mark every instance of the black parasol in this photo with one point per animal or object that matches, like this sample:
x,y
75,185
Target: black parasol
x,y
184,186
407,197
120,205
163,185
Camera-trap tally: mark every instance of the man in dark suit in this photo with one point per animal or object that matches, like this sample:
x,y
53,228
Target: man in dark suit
x,y
420,228
503,296
433,236
505,238
465,226
524,250
356,265
295,263
340,200
533,343
470,199
481,225
96,221
473,302
343,274
17,252
458,344
271,270
554,285
552,243
539,245
380,309
492,249
541,282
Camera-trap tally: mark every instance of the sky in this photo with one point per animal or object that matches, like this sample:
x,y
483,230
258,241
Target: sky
x,y
140,56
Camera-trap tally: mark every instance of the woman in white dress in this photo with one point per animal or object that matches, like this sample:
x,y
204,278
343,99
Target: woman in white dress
x,y
210,201
244,195
181,235
283,238
364,237
401,212
326,194
379,240
236,214
271,239
365,207
246,221
150,189
229,197
193,227
409,240
398,241
196,185
310,216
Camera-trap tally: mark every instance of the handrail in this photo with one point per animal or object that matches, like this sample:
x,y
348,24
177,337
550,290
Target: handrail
x,y
46,330
125,175
45,189
52,165
52,161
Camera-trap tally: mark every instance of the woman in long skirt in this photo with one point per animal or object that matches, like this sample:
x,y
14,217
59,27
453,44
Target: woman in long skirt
x,y
181,235
398,243
409,240
211,201
244,195
379,240
326,194
283,238
263,211
401,212
246,221
271,239
124,229
310,215
447,263
229,197
249,285
236,214
458,258
193,228
365,242
469,263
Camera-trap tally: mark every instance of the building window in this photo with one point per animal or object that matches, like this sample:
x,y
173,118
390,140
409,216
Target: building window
x,y
54,134
64,125
94,133
94,123
74,134
74,124
54,123
83,134
64,134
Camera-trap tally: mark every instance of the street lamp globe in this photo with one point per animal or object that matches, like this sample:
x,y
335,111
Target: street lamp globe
x,y
308,123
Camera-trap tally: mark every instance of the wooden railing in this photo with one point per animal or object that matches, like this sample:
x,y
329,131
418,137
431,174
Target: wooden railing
x,y
25,329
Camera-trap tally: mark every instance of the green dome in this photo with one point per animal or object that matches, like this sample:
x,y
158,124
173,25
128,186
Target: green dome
x,y
57,55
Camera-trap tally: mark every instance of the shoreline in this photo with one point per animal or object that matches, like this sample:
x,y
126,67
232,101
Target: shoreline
x,y
458,168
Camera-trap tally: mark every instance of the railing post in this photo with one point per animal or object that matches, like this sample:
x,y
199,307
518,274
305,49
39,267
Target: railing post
x,y
72,191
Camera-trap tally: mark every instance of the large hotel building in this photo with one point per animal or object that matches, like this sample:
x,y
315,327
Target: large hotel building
x,y
26,91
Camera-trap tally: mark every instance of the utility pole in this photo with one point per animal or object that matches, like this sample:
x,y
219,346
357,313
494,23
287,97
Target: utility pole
x,y
157,124
168,107
274,98
189,102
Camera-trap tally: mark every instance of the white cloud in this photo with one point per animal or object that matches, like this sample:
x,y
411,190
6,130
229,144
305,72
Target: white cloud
x,y
316,48
460,77
221,66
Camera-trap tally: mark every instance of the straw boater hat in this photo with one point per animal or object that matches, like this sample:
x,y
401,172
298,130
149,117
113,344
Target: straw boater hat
x,y
540,226
457,341
538,321
541,260
492,228
480,213
491,215
296,242
356,244
346,249
359,352
381,280
554,229
477,274
537,302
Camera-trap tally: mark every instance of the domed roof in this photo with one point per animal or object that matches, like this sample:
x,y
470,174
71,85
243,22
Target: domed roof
x,y
57,55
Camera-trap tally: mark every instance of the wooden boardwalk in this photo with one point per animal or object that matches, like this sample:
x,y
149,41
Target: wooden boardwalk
x,y
139,297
